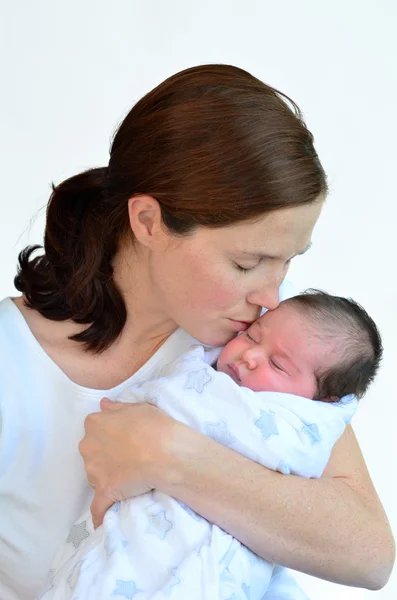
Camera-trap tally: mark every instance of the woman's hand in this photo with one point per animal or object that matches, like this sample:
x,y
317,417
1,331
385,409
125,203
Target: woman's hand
x,y
123,451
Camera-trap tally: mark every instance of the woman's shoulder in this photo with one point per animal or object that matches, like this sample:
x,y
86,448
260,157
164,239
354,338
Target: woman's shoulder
x,y
17,323
16,344
9,320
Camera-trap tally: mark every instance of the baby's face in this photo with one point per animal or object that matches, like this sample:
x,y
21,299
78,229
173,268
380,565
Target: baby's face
x,y
276,353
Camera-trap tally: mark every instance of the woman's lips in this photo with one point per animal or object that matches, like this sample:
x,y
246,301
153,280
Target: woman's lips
x,y
240,325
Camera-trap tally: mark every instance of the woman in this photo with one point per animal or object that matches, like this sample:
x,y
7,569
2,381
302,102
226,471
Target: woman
x,y
213,186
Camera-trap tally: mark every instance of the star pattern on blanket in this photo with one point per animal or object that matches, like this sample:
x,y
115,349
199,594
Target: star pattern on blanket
x,y
127,589
312,432
247,590
205,544
49,586
219,432
197,380
78,533
226,576
267,424
173,581
159,524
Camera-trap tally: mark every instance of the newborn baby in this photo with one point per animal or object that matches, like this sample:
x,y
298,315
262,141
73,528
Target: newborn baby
x,y
314,345
259,402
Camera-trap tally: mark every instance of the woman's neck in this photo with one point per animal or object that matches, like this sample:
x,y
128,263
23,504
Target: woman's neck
x,y
96,371
147,319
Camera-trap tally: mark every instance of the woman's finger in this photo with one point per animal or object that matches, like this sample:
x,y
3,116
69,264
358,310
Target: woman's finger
x,y
99,506
107,404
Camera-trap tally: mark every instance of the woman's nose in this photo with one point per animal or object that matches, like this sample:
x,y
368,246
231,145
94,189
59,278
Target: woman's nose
x,y
268,297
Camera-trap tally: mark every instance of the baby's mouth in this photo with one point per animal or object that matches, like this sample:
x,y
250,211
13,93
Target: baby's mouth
x,y
234,371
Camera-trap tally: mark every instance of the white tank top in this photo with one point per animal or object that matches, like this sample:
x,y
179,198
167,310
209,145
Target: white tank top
x,y
43,487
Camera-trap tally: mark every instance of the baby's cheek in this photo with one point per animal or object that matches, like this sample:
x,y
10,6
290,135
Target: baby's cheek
x,y
263,380
304,387
231,352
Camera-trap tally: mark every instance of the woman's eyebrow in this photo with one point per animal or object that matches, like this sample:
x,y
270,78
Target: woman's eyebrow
x,y
273,256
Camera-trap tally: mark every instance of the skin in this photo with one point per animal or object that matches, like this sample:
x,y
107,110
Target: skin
x,y
334,527
275,354
196,282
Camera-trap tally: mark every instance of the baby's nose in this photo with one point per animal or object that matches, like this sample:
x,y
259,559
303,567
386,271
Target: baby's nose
x,y
250,358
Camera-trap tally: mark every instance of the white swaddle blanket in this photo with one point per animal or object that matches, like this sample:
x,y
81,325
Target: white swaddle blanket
x,y
154,547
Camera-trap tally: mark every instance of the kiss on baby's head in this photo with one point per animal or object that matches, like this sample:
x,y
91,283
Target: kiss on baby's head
x,y
315,345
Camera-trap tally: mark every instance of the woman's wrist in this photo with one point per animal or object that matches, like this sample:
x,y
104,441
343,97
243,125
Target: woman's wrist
x,y
182,454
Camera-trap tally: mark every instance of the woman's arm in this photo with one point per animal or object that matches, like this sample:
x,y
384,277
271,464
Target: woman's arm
x,y
333,528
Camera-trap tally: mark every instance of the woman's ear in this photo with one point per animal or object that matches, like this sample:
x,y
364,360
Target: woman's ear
x,y
145,219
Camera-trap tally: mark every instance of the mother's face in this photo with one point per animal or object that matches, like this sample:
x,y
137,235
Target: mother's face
x,y
215,279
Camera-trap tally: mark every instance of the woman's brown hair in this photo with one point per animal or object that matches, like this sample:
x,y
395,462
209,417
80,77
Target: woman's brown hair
x,y
213,144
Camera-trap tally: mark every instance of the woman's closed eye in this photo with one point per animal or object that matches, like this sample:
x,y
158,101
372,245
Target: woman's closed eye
x,y
245,269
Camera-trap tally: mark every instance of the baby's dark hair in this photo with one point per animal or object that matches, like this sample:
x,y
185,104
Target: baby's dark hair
x,y
342,322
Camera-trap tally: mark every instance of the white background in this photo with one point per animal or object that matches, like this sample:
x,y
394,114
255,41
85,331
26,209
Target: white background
x,y
71,70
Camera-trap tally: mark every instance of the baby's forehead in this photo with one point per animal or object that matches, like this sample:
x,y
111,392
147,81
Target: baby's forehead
x,y
288,315
286,309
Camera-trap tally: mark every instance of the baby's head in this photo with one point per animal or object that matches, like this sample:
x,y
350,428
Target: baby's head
x,y
314,345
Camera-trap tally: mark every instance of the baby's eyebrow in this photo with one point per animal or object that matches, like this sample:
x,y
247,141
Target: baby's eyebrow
x,y
273,256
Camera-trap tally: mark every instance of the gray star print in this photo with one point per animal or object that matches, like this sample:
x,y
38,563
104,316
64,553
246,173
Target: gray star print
x,y
311,430
267,424
159,524
127,589
197,380
78,533
219,432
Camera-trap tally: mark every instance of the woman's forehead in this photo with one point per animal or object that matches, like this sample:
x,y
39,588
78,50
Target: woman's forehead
x,y
273,236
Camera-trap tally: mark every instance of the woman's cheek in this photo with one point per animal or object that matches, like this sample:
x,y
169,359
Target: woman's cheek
x,y
224,294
